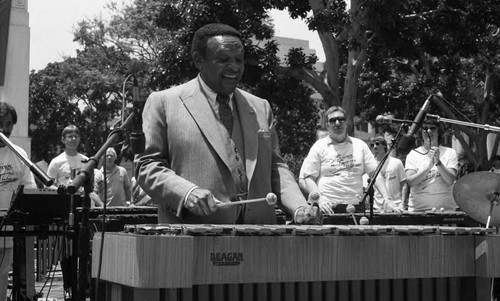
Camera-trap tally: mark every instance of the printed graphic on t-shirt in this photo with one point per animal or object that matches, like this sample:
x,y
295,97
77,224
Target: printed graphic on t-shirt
x,y
430,177
335,165
7,174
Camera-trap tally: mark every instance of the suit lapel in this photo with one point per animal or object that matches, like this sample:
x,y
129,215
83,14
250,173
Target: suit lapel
x,y
250,128
198,106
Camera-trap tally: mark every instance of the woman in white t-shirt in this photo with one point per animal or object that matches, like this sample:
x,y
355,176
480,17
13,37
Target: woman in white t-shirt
x,y
431,170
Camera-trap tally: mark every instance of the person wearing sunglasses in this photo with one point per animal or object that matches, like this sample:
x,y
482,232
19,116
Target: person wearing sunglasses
x,y
431,170
392,173
335,165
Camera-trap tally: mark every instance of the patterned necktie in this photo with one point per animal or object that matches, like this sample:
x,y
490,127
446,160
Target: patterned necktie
x,y
225,113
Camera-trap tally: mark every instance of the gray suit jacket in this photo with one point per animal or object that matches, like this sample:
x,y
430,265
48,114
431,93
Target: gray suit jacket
x,y
185,147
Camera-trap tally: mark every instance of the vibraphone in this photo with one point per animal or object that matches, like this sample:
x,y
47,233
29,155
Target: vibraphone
x,y
279,262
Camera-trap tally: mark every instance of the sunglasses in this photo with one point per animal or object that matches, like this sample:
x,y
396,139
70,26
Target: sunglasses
x,y
432,128
374,144
335,119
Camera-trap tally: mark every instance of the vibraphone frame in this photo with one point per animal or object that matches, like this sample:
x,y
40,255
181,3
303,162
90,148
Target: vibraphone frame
x,y
201,262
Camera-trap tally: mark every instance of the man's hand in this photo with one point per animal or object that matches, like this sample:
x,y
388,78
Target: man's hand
x,y
326,206
308,215
201,202
390,206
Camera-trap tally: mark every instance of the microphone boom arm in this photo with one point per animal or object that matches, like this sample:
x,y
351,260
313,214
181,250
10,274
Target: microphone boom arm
x,y
42,176
485,127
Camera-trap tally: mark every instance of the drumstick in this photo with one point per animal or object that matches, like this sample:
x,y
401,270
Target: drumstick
x,y
270,199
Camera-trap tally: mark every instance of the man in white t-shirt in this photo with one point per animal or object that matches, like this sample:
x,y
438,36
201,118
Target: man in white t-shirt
x,y
335,165
431,170
60,168
66,165
392,172
13,172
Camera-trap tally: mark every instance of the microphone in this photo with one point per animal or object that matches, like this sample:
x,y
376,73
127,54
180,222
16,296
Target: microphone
x,y
137,139
382,118
407,141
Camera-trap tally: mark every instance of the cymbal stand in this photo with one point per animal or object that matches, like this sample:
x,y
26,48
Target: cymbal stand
x,y
494,202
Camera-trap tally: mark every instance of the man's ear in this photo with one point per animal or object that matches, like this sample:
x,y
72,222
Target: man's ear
x,y
197,59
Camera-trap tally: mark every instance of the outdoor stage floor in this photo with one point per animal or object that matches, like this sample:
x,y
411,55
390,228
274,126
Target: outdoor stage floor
x,y
51,287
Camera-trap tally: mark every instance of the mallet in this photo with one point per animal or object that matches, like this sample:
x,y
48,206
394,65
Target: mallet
x,y
271,199
351,209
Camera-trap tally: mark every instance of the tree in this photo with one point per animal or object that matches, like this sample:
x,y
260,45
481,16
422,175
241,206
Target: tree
x,y
84,91
151,39
49,108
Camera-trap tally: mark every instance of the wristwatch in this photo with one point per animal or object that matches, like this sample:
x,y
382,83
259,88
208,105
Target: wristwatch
x,y
439,163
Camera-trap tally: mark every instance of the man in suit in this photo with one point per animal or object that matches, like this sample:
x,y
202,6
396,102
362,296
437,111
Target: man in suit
x,y
208,142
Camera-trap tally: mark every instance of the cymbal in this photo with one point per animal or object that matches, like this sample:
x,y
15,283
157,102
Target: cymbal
x,y
474,193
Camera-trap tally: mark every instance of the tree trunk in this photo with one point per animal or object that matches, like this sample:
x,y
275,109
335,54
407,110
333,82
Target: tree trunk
x,y
356,56
332,63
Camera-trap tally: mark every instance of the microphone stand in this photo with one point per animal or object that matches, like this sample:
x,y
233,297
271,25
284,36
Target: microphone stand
x,y
85,179
370,190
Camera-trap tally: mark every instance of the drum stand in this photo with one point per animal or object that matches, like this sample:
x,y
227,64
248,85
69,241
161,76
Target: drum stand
x,y
19,275
19,292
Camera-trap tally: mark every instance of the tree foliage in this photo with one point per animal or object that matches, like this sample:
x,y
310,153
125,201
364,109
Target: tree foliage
x,y
449,48
84,91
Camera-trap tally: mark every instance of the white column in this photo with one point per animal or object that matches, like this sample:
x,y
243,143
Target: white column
x,y
16,86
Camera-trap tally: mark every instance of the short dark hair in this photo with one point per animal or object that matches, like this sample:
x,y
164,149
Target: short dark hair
x,y
6,108
201,36
70,129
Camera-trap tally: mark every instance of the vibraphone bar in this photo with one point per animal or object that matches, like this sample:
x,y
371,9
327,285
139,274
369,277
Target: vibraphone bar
x,y
280,262
458,218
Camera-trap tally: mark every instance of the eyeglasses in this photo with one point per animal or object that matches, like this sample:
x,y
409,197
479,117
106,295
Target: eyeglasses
x,y
71,137
374,144
432,128
334,120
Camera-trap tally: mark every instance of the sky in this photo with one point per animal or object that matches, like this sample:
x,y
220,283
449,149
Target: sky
x,y
52,24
